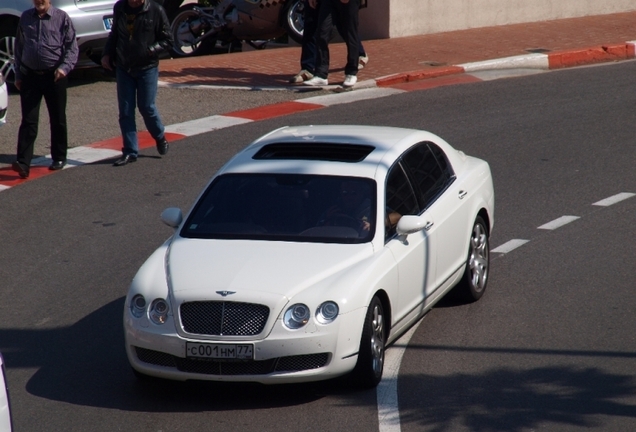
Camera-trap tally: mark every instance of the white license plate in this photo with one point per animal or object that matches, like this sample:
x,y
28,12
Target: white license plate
x,y
219,351
108,23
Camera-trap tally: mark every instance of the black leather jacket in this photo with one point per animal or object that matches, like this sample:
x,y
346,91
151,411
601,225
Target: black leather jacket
x,y
151,38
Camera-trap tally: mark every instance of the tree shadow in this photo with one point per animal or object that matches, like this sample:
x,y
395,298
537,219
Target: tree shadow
x,y
515,400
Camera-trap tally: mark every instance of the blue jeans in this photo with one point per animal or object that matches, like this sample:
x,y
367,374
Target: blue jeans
x,y
138,89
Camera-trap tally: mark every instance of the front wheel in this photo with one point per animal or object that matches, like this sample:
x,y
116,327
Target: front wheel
x,y
294,20
473,283
370,365
186,28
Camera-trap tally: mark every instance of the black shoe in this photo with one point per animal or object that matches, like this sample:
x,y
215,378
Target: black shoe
x,y
21,169
162,146
125,159
57,165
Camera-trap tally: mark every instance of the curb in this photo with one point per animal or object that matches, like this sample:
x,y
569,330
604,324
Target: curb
x,y
550,61
369,89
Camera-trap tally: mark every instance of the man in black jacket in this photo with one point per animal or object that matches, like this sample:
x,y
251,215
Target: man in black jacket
x,y
139,36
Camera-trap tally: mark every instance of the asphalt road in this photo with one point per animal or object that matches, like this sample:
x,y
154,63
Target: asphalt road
x,y
550,346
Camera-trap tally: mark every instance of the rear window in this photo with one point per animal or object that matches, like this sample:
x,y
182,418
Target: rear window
x,y
285,207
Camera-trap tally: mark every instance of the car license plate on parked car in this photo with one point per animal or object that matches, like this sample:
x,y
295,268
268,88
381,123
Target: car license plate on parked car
x,y
219,351
108,23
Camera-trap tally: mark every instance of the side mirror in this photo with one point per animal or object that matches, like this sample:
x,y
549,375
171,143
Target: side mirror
x,y
410,224
172,217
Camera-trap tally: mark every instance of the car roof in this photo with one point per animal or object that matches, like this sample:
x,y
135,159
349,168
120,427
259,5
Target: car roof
x,y
327,149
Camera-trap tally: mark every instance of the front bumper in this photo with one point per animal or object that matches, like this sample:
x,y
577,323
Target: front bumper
x,y
315,352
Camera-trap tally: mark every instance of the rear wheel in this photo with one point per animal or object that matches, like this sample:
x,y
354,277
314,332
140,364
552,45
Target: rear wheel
x,y
8,31
368,370
473,283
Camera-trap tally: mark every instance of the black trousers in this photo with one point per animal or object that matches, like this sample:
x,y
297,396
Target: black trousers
x,y
345,16
33,88
308,53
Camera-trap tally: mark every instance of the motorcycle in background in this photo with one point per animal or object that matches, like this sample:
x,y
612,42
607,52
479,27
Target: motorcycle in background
x,y
196,29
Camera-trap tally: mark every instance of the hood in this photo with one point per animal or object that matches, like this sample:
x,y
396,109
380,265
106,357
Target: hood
x,y
255,268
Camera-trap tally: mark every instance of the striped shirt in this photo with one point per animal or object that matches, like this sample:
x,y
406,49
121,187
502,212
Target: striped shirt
x,y
46,43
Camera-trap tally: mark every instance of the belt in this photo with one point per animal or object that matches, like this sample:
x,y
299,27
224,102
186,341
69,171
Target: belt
x,y
26,70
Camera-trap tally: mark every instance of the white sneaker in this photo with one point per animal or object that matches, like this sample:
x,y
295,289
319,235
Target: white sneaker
x,y
301,76
350,81
362,61
317,81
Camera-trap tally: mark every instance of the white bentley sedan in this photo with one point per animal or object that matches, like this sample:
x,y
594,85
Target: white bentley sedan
x,y
309,252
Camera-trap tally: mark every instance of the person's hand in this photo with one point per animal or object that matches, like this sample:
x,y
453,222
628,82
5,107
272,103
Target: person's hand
x,y
59,74
18,84
313,3
106,62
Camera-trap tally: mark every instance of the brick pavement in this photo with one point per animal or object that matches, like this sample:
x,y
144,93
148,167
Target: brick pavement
x,y
272,67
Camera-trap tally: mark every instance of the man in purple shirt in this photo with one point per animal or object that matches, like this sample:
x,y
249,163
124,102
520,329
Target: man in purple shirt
x,y
45,52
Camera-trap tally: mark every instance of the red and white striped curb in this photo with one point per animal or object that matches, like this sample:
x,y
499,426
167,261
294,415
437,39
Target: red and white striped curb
x,y
111,148
540,61
371,89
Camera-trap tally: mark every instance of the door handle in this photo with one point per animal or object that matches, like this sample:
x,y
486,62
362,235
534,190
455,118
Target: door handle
x,y
462,194
428,225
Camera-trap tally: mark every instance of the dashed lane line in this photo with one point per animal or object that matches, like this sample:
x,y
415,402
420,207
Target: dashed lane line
x,y
614,199
509,246
558,223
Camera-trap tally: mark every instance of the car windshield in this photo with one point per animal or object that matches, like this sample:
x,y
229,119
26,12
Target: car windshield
x,y
285,207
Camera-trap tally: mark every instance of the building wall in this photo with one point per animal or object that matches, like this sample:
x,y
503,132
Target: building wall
x,y
396,18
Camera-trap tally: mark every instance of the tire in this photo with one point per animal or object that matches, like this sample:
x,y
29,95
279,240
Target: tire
x,y
186,27
475,279
293,19
8,30
368,370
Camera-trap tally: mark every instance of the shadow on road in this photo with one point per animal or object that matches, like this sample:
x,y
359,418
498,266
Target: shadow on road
x,y
85,364
516,400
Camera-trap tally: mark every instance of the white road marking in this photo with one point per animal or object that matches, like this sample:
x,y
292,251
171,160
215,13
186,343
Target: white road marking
x,y
509,246
558,223
387,395
204,125
614,199
350,96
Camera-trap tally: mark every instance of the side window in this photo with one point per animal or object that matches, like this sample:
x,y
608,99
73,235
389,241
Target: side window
x,y
430,171
400,199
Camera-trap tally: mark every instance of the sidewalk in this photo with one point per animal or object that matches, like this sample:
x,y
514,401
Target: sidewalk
x,y
580,39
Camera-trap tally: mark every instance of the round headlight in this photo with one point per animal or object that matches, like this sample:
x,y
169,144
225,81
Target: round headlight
x,y
296,316
327,312
138,306
159,311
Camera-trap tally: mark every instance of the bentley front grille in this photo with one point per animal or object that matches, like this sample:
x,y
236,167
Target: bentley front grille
x,y
221,318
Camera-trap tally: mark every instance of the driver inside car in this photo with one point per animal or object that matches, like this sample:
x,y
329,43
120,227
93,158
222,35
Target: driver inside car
x,y
353,207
